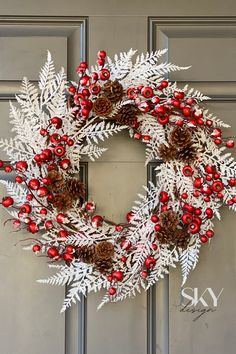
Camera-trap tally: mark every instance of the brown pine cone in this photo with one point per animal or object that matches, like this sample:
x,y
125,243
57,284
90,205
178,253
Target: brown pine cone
x,y
187,154
165,237
169,220
113,90
62,201
182,238
86,254
167,153
75,188
102,107
104,265
57,181
127,115
104,250
180,137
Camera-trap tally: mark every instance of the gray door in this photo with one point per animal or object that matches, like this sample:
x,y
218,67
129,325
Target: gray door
x,y
151,323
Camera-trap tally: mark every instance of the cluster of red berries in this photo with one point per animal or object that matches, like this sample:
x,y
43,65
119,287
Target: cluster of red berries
x,y
88,86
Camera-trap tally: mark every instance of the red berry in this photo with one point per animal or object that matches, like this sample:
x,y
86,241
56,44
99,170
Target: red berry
x,y
125,245
42,192
55,139
164,83
102,54
129,216
1,163
65,164
112,291
217,186
33,227
230,144
72,89
52,252
194,227
59,150
150,262
184,195
190,101
187,218
19,179
34,184
154,218
118,228
63,233
157,227
70,142
104,74
36,248
101,62
154,246
7,202
217,132
137,136
179,95
123,259
144,274
197,182
70,249
209,122
209,213
48,224
95,89
68,257
163,119
209,169
203,238
25,208
164,197
210,233
43,211
29,197
117,275
57,122
147,92
187,171
8,169
179,122
61,218
218,141
232,182
186,111
21,166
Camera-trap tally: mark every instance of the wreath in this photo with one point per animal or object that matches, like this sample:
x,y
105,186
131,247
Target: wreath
x,y
58,123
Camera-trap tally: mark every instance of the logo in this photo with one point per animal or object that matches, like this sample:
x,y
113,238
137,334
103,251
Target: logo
x,y
199,303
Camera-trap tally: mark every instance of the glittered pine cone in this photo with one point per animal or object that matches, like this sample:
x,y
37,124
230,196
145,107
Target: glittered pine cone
x,y
113,90
187,154
127,115
104,250
57,181
169,220
180,137
102,106
182,238
86,254
167,153
104,266
62,201
75,188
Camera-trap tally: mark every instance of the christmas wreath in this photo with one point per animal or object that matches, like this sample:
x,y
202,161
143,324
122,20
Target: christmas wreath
x,y
59,122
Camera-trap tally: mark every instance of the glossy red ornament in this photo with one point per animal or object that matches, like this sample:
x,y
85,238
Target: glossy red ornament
x,y
203,238
164,197
112,291
7,202
154,218
36,248
42,192
34,184
59,150
57,122
52,252
230,144
187,171
210,233
33,227
97,221
25,208
147,92
117,275
21,166
217,186
65,164
129,216
150,262
209,213
104,74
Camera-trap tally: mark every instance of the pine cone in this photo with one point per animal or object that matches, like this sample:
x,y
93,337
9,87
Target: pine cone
x,y
113,90
187,154
182,238
57,181
169,220
127,115
75,188
86,254
167,153
103,265
62,202
102,107
180,137
104,250
165,237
